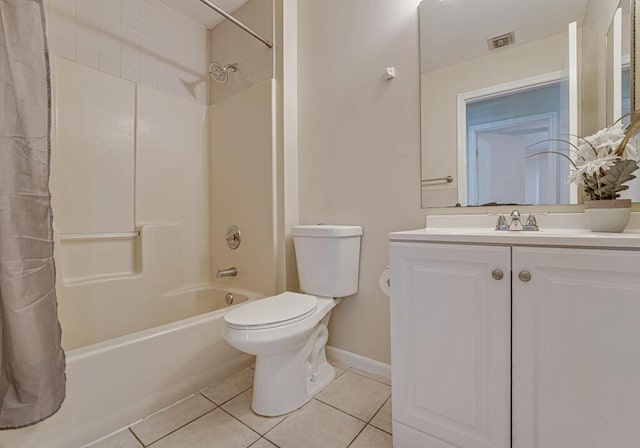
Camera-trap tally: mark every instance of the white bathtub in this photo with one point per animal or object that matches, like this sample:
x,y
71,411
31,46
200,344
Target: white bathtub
x,y
114,383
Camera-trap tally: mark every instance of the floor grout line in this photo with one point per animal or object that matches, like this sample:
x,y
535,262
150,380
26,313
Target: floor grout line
x,y
271,441
226,401
350,369
281,421
351,415
357,435
338,409
380,429
135,436
376,413
237,419
178,429
367,422
359,372
208,399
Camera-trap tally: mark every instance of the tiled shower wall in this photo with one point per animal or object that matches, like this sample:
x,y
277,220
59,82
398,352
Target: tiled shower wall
x,y
229,44
143,41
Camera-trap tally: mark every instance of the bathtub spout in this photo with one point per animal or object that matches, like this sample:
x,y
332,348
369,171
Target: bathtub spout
x,y
230,272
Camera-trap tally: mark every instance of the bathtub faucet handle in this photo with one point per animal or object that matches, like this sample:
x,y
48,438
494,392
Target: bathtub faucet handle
x,y
229,272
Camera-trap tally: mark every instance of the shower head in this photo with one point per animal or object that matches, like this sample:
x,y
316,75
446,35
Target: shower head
x,y
220,73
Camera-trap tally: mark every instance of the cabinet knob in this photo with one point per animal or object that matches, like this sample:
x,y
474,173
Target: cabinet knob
x,y
497,274
524,276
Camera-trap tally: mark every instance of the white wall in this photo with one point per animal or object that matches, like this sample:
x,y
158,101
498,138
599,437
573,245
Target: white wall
x,y
359,142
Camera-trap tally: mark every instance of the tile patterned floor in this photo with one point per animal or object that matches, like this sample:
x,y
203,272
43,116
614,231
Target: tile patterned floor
x,y
352,412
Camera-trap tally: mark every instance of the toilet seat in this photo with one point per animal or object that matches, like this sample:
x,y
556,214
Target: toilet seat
x,y
276,311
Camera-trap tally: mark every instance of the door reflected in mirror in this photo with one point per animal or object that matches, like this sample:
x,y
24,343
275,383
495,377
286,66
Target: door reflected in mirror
x,y
504,133
506,85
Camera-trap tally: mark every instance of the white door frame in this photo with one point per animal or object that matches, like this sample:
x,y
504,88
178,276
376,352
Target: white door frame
x,y
483,94
550,118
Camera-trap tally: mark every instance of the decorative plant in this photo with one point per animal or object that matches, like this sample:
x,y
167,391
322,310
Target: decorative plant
x,y
606,160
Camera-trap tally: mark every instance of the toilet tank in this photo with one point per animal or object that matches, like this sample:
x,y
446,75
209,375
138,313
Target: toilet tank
x,y
328,258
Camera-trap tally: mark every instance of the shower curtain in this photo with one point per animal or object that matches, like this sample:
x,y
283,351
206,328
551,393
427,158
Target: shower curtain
x,y
32,379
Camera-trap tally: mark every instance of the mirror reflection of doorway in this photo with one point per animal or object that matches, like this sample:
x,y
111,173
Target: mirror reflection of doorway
x,y
503,132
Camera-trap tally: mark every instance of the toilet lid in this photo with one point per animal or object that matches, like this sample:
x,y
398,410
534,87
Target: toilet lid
x,y
272,311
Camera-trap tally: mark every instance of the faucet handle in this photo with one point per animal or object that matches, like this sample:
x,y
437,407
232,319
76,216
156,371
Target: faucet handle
x,y
502,223
531,223
516,224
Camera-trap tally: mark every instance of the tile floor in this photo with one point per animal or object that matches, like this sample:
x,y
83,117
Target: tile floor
x,y
354,411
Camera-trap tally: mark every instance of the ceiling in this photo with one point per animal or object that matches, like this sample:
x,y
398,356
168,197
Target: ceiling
x,y
201,13
452,31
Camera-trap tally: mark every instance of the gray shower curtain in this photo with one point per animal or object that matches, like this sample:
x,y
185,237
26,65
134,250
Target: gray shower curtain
x,y
32,379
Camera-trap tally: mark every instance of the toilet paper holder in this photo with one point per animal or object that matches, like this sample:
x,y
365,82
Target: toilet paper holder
x,y
385,281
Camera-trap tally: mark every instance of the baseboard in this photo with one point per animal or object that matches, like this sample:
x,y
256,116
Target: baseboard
x,y
359,362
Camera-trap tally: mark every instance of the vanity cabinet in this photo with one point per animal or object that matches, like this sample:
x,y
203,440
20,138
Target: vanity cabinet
x,y
505,346
451,346
576,348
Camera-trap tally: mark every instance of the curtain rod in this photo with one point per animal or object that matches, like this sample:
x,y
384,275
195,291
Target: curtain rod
x,y
236,22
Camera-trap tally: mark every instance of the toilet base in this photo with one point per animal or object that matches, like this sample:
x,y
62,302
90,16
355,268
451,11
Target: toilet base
x,y
283,383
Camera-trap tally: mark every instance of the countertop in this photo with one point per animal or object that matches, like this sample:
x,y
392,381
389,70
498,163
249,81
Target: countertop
x,y
562,229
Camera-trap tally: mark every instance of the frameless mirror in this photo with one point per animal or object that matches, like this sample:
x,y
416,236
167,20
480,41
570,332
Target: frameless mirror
x,y
505,83
620,73
618,68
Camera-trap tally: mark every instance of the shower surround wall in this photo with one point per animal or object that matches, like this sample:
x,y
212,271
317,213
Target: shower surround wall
x,y
136,145
229,44
143,41
130,153
243,151
137,162
145,178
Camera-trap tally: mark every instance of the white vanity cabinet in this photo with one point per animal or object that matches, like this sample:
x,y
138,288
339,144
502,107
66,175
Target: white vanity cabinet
x,y
576,348
451,348
546,355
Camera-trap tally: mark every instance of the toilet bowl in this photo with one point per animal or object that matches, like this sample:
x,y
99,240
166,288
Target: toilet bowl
x,y
291,366
288,332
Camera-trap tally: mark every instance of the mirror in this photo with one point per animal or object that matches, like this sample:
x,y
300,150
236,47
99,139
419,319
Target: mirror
x,y
618,63
620,71
503,81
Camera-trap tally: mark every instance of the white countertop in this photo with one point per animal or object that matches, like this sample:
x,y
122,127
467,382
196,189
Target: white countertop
x,y
562,229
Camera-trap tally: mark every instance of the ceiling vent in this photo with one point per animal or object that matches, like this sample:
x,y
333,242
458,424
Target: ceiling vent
x,y
501,41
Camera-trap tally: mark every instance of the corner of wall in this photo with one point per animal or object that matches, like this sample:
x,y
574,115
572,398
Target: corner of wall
x,y
286,73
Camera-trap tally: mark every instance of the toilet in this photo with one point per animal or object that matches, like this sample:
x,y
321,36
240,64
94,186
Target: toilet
x,y
288,332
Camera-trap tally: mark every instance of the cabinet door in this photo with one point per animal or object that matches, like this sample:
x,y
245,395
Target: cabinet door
x,y
450,338
576,348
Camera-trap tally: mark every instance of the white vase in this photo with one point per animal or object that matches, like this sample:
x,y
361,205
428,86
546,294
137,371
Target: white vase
x,y
611,215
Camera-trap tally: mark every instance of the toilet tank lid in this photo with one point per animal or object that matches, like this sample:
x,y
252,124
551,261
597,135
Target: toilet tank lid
x,y
326,231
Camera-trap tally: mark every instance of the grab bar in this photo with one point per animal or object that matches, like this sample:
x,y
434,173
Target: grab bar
x,y
448,179
99,236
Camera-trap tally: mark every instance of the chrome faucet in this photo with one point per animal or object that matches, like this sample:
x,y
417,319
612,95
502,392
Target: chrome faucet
x,y
516,223
531,223
230,272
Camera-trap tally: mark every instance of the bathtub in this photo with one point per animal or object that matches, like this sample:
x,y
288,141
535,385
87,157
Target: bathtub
x,y
113,383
